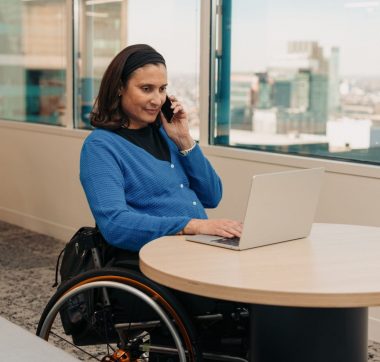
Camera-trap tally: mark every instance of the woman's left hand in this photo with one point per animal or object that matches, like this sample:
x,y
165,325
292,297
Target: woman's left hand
x,y
178,128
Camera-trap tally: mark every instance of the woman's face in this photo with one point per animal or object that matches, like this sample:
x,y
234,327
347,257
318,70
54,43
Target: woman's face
x,y
144,94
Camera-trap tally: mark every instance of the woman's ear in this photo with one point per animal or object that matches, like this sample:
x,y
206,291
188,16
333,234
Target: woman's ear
x,y
120,89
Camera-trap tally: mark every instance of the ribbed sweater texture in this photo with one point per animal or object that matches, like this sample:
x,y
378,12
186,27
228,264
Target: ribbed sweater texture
x,y
135,197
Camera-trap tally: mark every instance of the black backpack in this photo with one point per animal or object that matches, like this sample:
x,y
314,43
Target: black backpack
x,y
86,250
78,254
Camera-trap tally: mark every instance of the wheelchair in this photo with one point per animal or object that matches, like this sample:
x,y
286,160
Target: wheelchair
x,y
115,313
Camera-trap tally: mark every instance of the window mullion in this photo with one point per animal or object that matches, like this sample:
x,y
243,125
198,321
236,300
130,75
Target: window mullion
x,y
206,94
69,116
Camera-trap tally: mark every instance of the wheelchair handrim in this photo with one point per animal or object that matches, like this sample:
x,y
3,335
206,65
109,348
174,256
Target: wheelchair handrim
x,y
154,295
88,284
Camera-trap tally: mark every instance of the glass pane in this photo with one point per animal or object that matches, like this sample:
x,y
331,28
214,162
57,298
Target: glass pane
x,y
300,79
33,61
171,27
102,34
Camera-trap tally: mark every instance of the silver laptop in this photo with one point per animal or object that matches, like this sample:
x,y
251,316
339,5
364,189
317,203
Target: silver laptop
x,y
281,207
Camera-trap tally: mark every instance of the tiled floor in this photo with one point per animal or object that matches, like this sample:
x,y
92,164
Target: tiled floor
x,y
27,266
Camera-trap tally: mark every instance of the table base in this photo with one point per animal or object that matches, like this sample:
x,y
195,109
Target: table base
x,y
290,334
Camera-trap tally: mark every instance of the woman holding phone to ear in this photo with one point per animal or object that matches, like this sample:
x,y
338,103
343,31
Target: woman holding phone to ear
x,y
143,175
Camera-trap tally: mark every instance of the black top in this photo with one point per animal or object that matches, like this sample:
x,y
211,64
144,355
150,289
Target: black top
x,y
148,138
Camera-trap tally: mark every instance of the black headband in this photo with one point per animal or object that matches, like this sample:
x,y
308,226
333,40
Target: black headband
x,y
140,58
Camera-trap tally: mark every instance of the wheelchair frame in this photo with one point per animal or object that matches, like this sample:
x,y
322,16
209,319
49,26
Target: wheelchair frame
x,y
172,318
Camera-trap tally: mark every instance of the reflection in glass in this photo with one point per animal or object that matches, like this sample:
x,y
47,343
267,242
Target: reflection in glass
x,y
102,34
171,27
298,82
33,61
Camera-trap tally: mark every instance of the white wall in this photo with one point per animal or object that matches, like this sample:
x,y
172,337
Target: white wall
x,y
40,189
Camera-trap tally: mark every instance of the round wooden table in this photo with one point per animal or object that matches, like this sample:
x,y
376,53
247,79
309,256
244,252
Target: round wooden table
x,y
309,297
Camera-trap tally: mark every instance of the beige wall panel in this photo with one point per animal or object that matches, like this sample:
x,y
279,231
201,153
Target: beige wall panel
x,y
40,180
345,199
40,186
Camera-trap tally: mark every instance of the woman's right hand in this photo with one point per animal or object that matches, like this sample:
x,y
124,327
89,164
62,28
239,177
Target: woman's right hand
x,y
222,227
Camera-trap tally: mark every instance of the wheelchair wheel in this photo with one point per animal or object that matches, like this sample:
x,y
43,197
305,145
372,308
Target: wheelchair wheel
x,y
113,314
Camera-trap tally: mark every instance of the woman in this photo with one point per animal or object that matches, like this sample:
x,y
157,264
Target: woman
x,y
143,175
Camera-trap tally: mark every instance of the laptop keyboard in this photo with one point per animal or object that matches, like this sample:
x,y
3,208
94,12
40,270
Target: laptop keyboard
x,y
227,241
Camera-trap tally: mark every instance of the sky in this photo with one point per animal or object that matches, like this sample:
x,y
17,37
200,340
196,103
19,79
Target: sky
x,y
171,27
261,30
268,25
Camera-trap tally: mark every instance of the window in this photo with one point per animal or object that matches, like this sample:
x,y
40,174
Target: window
x,y
33,61
102,34
298,77
35,45
171,27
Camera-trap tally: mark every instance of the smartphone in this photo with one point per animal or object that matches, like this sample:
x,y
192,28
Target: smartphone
x,y
167,110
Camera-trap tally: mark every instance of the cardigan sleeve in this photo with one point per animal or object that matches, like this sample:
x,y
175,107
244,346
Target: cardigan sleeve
x,y
204,181
103,183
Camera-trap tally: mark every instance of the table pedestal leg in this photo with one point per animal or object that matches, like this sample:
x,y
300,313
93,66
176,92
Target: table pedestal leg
x,y
289,334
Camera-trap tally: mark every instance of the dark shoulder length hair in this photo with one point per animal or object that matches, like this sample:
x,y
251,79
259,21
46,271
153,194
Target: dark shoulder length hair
x,y
107,112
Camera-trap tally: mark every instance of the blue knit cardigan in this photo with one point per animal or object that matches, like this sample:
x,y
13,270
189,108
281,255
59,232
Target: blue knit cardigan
x,y
135,198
